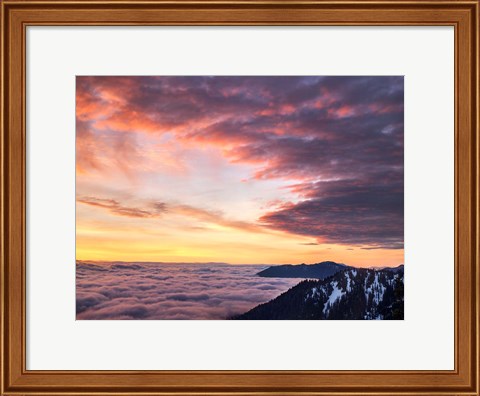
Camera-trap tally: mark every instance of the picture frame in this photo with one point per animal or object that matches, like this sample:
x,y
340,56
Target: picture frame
x,y
16,15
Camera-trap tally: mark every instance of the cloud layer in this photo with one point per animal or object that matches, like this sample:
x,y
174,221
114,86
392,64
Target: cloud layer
x,y
171,291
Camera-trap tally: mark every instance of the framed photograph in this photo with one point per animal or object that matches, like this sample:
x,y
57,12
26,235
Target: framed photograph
x,y
239,197
243,169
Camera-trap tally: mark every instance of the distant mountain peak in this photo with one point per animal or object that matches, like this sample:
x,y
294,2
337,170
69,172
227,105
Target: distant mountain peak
x,y
317,271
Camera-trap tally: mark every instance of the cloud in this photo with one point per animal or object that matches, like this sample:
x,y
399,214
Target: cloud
x,y
367,214
336,141
115,207
86,300
171,291
156,209
214,217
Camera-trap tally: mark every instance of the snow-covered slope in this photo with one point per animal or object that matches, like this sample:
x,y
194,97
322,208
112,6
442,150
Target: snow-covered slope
x,y
353,293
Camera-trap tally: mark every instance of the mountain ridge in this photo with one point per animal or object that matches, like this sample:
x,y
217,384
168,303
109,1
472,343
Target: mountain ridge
x,y
351,294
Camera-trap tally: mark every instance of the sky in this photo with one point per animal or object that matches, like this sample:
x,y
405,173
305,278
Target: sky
x,y
240,170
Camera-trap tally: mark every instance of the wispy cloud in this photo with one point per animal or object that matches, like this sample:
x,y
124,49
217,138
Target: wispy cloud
x,y
156,209
153,209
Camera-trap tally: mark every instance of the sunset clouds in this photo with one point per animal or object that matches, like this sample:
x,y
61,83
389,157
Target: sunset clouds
x,y
312,165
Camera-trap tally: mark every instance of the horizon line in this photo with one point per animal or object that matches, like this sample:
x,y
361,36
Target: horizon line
x,y
224,263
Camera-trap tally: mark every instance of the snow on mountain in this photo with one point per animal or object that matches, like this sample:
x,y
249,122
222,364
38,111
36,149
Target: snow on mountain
x,y
353,294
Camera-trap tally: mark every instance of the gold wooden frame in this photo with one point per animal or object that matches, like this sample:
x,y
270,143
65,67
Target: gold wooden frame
x,y
17,14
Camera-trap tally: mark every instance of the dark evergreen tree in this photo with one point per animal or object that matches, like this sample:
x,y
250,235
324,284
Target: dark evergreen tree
x,y
347,295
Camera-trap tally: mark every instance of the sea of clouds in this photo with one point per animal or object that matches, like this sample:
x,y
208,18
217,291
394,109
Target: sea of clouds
x,y
171,291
